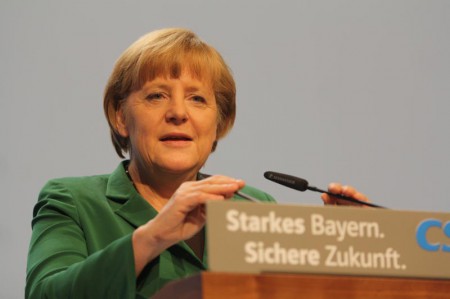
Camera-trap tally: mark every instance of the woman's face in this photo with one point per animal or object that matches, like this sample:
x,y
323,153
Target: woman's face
x,y
171,123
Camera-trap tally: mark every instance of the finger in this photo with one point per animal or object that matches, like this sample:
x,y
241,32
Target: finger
x,y
198,215
215,184
226,190
361,197
217,179
192,194
327,200
350,191
347,191
188,202
333,188
229,195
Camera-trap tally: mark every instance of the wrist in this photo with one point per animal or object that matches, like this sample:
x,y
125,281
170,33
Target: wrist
x,y
146,246
148,240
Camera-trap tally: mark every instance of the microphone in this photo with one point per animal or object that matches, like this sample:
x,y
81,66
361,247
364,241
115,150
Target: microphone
x,y
302,185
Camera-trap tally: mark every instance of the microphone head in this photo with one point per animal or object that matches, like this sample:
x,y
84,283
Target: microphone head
x,y
287,180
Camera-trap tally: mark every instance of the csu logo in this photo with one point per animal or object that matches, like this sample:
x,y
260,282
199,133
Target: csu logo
x,y
432,224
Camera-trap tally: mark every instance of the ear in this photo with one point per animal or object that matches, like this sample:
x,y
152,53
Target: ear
x,y
121,125
214,145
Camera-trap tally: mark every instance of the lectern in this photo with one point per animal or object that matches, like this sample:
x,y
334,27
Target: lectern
x,y
329,253
212,285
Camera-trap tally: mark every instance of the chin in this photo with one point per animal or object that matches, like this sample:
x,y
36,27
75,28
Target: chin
x,y
180,167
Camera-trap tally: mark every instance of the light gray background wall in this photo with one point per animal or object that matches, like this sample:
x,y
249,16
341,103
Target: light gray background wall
x,y
349,91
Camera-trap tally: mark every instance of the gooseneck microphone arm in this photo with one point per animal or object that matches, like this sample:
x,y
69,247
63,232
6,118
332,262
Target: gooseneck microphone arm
x,y
343,197
302,185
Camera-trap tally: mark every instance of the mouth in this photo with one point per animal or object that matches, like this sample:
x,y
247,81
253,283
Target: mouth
x,y
175,137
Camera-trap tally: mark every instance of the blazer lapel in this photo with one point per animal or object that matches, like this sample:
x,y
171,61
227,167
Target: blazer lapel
x,y
126,201
128,204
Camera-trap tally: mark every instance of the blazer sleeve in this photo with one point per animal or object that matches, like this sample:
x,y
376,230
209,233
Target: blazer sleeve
x,y
58,262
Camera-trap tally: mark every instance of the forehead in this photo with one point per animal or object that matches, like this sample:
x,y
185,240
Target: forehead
x,y
186,65
186,78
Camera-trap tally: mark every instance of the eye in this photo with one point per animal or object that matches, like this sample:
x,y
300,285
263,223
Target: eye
x,y
199,99
155,96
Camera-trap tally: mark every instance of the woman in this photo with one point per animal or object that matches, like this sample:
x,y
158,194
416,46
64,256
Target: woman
x,y
169,99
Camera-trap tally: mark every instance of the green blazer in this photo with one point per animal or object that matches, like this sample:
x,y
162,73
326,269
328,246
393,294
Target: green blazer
x,y
81,242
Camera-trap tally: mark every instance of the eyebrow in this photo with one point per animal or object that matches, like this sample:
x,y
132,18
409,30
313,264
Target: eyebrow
x,y
157,85
195,87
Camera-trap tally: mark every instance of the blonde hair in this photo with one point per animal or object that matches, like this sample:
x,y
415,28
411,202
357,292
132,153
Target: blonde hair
x,y
167,52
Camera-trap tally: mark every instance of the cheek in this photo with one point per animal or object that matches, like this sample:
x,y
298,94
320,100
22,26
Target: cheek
x,y
138,124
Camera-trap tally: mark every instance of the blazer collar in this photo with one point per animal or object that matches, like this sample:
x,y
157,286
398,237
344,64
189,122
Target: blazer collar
x,y
126,201
129,204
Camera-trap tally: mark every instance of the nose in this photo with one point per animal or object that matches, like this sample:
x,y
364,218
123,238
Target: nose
x,y
176,112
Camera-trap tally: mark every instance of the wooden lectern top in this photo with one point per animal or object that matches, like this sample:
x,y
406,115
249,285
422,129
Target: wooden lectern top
x,y
209,285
